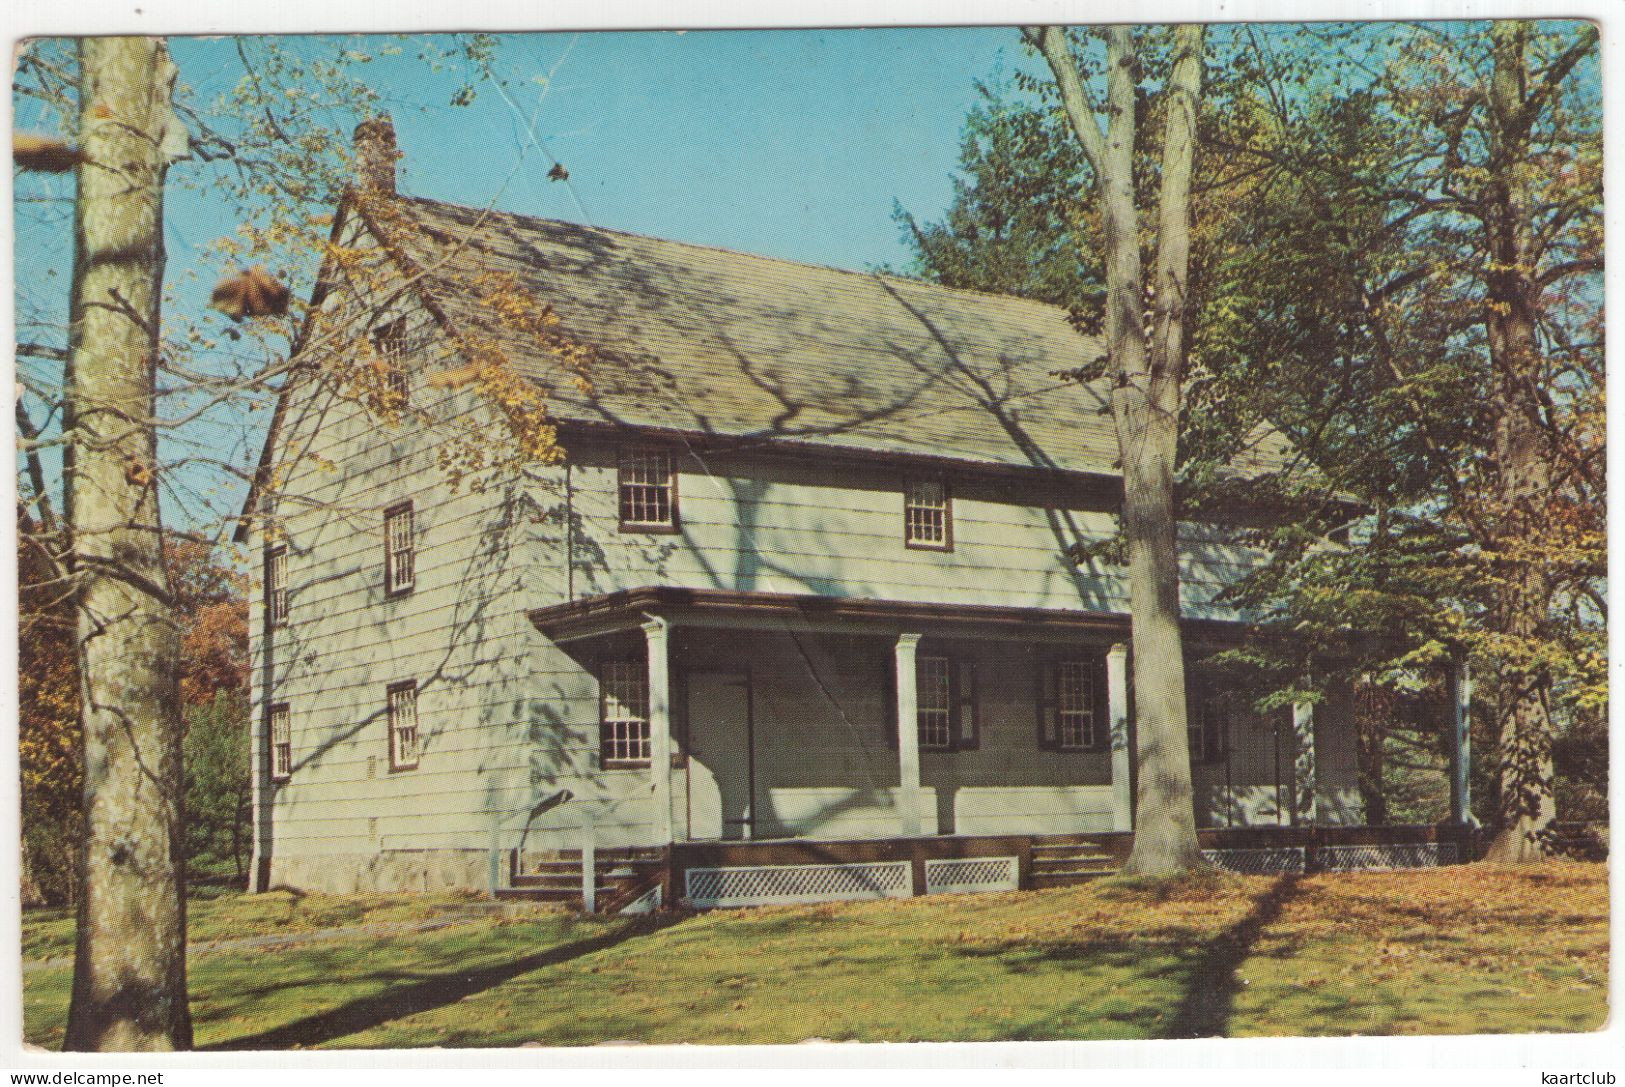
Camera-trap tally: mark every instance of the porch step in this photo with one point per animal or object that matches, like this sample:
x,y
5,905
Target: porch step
x,y
1067,855
1068,879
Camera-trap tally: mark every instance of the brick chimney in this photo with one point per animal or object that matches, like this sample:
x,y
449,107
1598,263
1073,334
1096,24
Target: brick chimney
x,y
375,154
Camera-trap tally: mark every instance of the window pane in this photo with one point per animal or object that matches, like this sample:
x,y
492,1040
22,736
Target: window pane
x,y
276,582
400,543
403,726
1075,703
281,742
646,491
625,724
936,729
925,513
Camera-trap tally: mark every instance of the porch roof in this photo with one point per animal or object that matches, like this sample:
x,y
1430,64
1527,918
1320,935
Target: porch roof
x,y
626,609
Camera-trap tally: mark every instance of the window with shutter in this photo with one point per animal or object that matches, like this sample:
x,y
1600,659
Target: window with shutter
x,y
1071,705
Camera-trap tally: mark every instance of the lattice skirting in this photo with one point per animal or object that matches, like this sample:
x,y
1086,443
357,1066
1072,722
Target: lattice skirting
x,y
1347,858
972,874
1279,861
709,888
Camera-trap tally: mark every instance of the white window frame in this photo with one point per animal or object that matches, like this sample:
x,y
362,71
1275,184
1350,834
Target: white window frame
x,y
276,585
928,515
934,702
389,341
624,738
1077,706
646,490
405,734
279,732
400,549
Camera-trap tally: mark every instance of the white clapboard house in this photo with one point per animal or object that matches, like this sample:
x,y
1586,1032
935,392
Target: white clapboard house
x,y
798,615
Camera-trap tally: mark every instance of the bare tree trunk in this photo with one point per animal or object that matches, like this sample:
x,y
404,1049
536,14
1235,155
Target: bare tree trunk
x,y
129,983
1527,804
1146,388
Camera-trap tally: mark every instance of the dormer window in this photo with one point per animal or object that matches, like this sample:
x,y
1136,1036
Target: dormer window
x,y
928,516
648,491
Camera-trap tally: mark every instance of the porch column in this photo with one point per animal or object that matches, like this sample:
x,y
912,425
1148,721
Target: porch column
x,y
908,735
1117,716
1458,741
1303,763
657,632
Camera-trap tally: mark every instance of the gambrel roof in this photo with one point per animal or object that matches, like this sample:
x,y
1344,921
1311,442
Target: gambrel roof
x,y
709,342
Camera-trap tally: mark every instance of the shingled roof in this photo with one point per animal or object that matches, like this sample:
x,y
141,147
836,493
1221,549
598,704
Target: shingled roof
x,y
727,345
730,345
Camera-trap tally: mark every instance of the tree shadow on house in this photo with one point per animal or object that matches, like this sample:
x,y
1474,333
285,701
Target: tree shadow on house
x,y
425,992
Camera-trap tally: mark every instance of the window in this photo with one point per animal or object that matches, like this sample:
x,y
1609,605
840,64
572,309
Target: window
x,y
1075,706
624,712
281,731
935,703
648,491
403,726
400,550
389,341
276,585
945,698
1208,728
928,516
1072,711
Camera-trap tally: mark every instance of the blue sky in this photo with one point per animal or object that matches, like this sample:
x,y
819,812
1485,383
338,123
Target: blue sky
x,y
789,143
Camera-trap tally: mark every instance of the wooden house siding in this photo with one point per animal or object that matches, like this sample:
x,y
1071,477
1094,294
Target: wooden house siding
x,y
508,721
774,525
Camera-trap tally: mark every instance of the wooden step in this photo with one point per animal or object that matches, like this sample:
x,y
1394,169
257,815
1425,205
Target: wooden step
x,y
1049,856
1070,879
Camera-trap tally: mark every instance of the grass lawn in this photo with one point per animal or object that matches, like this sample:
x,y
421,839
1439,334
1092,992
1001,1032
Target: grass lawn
x,y
227,915
1455,950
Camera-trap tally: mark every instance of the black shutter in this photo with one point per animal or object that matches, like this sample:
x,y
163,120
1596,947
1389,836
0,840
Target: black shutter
x,y
1103,704
1049,737
888,687
967,728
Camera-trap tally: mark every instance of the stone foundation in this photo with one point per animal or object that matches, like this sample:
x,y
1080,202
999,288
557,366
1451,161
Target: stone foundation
x,y
415,871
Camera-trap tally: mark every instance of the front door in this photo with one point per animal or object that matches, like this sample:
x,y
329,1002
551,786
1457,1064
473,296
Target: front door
x,y
719,756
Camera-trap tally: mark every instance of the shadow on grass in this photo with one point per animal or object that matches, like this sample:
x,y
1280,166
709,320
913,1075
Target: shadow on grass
x,y
428,993
1211,994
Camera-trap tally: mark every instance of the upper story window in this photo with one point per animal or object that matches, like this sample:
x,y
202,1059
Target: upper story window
x,y
400,549
624,712
1072,707
281,730
276,585
945,693
928,520
389,341
403,725
648,491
